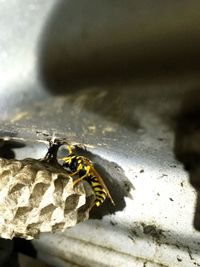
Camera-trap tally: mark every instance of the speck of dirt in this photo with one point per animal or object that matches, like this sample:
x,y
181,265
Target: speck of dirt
x,y
158,194
153,231
195,263
113,223
129,236
134,233
181,184
44,134
127,187
171,199
173,166
141,171
190,254
178,258
117,168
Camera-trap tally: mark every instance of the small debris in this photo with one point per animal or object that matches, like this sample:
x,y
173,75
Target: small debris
x,y
163,175
171,199
173,166
117,168
134,233
113,223
127,187
178,258
141,171
129,236
153,231
190,254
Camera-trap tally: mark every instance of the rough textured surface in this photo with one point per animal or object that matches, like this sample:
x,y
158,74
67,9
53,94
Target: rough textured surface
x,y
126,124
37,197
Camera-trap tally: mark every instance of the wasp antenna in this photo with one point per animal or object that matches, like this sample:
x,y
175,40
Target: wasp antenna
x,y
64,159
80,146
83,147
69,149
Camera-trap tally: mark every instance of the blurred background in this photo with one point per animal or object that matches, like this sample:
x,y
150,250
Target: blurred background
x,y
122,79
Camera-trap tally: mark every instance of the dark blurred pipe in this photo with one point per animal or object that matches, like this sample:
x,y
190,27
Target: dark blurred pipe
x,y
87,42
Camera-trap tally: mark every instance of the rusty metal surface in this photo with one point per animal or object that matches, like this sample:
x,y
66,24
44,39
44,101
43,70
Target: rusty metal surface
x,y
122,85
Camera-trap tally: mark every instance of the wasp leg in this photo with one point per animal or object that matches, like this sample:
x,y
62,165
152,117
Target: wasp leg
x,y
69,149
95,204
66,159
74,173
82,177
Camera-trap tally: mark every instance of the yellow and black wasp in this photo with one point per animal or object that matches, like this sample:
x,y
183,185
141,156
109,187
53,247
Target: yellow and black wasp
x,y
83,168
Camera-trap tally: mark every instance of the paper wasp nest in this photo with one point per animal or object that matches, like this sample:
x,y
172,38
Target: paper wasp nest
x,y
37,197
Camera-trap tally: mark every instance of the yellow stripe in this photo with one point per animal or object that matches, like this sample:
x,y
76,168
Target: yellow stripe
x,y
93,179
101,199
96,189
98,203
69,159
95,184
99,194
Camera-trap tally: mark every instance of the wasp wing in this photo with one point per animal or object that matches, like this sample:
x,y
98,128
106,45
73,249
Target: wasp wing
x,y
88,162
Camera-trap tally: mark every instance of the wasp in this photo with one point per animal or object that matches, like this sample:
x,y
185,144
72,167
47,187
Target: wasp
x,y
82,167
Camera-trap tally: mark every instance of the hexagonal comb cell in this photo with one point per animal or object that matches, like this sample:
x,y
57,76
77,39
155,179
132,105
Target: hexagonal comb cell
x,y
36,197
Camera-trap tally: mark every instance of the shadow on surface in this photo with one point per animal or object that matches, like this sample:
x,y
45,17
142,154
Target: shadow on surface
x,y
6,148
8,257
117,183
187,142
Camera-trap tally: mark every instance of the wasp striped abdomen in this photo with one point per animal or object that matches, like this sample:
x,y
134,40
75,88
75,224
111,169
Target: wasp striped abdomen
x,y
99,191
